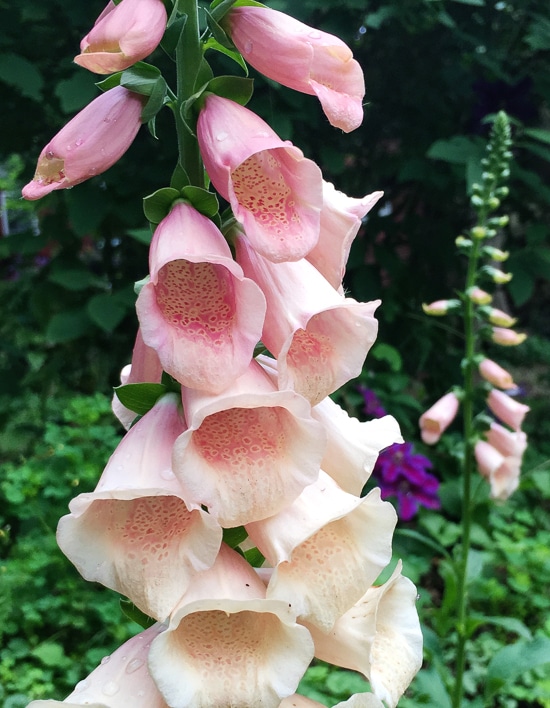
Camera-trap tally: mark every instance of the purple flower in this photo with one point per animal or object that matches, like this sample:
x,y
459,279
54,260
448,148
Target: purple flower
x,y
372,408
402,474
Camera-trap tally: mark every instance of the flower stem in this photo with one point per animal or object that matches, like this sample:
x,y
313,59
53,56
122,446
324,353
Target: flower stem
x,y
188,63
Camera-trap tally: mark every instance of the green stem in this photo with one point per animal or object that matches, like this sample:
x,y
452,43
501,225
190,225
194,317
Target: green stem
x,y
188,62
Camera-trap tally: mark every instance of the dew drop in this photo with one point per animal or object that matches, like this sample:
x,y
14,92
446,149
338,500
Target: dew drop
x,y
110,688
105,659
134,665
167,474
314,34
69,148
248,47
81,686
221,136
79,142
50,155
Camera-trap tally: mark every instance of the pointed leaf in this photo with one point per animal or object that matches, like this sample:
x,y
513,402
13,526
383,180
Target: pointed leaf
x,y
140,397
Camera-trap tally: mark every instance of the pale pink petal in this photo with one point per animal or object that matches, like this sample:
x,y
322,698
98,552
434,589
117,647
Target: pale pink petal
x,y
134,533
248,452
359,700
319,337
329,571
226,645
437,419
507,409
274,191
353,446
145,368
506,442
89,143
501,471
380,637
340,221
302,58
496,375
122,680
198,309
123,35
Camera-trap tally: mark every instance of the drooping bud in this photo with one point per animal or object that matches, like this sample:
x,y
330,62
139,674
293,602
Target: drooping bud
x,y
441,307
507,337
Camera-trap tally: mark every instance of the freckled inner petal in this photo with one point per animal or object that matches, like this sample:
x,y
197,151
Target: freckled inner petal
x,y
261,186
198,299
310,358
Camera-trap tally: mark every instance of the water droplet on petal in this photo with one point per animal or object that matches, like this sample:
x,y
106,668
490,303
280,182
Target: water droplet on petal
x,y
134,665
167,474
110,688
105,659
248,47
314,34
69,148
79,142
50,155
81,686
221,136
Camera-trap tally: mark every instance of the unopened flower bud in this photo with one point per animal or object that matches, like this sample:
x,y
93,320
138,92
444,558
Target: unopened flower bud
x,y
500,318
479,296
496,254
441,307
479,232
497,276
495,374
438,418
502,192
463,242
493,203
507,337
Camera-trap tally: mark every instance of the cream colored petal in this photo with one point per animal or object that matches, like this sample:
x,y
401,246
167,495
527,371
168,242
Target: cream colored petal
x,y
121,680
332,569
353,446
227,646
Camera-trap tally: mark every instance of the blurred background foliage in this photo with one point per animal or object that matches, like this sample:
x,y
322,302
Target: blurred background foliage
x,y
435,69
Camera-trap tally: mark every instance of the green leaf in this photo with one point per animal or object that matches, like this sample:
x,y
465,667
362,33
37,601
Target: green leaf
x,y
22,74
156,100
157,205
457,150
105,311
254,557
110,82
66,326
50,654
141,78
218,32
513,660
538,134
172,35
389,354
141,235
477,3
76,92
233,537
236,88
430,688
233,54
129,610
180,178
510,624
73,278
140,397
204,201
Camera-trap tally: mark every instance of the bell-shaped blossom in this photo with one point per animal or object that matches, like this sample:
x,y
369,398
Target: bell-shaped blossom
x,y
353,446
302,58
274,191
502,472
495,374
500,318
340,221
506,409
122,35
120,680
89,144
320,338
437,419
509,444
328,548
227,645
198,309
439,308
358,700
380,637
248,452
134,533
507,337
145,368
479,296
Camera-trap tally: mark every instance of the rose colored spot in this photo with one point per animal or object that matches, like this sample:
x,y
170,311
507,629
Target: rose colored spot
x,y
310,359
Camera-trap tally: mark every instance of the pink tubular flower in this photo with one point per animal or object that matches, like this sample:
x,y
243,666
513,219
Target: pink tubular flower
x,y
120,681
319,337
89,144
437,419
301,58
122,35
507,337
479,296
328,548
248,452
507,443
502,472
134,533
380,637
495,374
274,191
198,309
145,368
340,221
506,409
227,645
501,318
